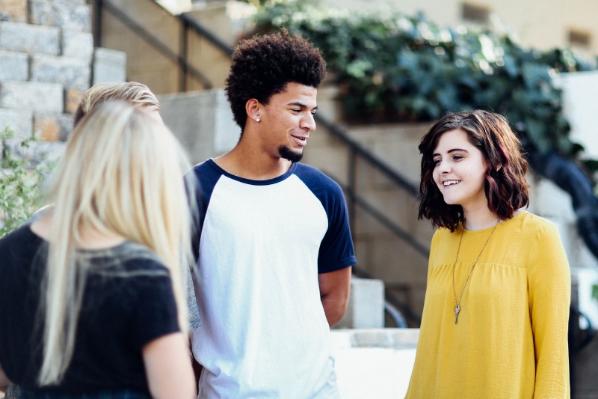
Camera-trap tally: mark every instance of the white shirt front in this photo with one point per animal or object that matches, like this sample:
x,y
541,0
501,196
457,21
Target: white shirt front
x,y
263,331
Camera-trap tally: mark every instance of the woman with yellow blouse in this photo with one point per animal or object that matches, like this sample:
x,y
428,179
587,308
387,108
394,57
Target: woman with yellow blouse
x,y
496,309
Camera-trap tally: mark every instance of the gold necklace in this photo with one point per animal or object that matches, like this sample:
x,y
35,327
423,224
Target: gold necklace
x,y
475,262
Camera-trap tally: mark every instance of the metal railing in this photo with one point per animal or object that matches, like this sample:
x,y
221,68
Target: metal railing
x,y
356,151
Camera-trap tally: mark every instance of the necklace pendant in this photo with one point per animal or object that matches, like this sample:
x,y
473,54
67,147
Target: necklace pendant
x,y
457,311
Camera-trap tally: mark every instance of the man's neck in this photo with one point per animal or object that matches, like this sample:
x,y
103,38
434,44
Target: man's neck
x,y
251,162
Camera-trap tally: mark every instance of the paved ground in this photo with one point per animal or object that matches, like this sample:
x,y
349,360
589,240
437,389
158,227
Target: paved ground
x,y
374,363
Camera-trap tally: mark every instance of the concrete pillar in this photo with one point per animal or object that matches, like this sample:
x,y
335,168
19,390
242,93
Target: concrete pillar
x,y
366,305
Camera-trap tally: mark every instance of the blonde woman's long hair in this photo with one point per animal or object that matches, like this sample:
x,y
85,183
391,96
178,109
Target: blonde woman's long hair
x,y
122,172
134,93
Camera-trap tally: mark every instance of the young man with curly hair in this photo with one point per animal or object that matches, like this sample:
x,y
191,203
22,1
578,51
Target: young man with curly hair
x,y
275,250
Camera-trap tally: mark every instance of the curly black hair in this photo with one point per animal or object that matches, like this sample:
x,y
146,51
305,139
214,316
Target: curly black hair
x,y
263,65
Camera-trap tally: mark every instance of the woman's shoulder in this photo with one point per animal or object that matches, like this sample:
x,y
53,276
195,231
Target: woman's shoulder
x,y
443,233
20,244
532,225
531,233
20,235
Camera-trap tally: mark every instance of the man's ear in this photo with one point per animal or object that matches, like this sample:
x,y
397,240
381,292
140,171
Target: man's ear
x,y
254,110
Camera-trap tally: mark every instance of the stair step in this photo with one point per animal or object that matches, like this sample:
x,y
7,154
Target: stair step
x,y
17,36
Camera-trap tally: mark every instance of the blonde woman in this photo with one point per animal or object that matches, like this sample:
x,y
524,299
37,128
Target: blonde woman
x,y
92,292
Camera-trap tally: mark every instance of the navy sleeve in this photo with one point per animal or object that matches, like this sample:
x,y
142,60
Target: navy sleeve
x,y
155,311
336,249
206,176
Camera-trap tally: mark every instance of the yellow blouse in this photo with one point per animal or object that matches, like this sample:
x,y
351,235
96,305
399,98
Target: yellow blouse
x,y
511,337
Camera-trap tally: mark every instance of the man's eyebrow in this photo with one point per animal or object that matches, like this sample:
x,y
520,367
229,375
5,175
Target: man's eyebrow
x,y
301,105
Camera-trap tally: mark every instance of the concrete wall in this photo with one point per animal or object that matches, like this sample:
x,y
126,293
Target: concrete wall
x,y
202,121
366,305
228,20
528,19
146,64
580,93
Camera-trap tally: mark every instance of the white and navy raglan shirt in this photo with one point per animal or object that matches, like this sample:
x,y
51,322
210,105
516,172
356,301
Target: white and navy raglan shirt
x,y
262,244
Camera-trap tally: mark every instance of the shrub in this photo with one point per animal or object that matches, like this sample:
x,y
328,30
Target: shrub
x,y
20,182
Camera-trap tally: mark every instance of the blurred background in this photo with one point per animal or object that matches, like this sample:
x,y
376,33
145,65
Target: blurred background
x,y
393,68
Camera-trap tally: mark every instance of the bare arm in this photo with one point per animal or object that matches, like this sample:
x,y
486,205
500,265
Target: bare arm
x,y
334,293
197,368
4,381
168,367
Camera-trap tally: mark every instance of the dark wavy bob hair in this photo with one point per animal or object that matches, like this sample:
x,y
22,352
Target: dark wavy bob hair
x,y
505,184
263,65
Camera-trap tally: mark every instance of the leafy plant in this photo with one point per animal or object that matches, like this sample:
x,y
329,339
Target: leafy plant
x,y
20,181
407,69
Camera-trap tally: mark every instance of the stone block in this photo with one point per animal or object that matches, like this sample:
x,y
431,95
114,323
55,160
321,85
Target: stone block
x,y
27,38
366,305
13,10
70,72
77,45
18,121
67,14
72,99
39,152
35,96
109,66
13,66
52,127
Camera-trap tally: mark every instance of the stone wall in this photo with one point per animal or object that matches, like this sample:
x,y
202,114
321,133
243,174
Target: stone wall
x,y
47,60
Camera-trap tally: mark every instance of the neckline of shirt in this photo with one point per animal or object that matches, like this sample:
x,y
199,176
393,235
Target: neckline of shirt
x,y
254,182
487,229
85,251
